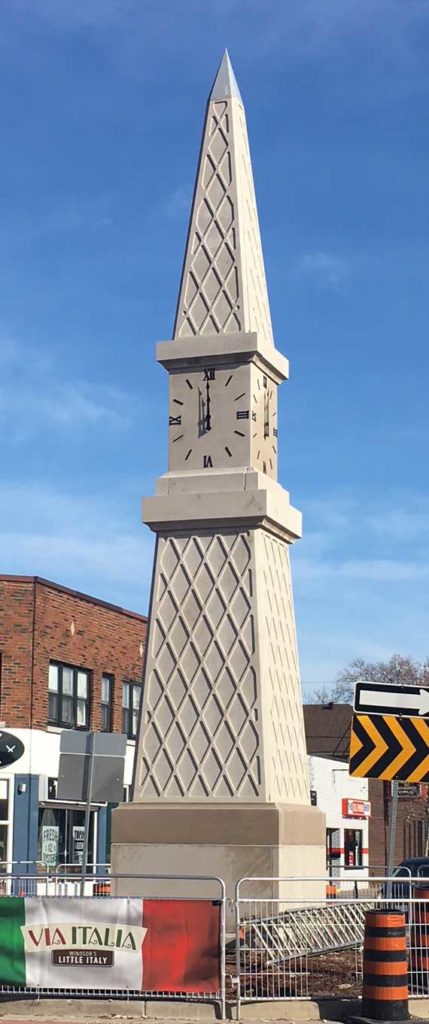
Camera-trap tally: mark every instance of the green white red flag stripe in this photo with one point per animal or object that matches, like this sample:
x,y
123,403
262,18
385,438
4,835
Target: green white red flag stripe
x,y
114,944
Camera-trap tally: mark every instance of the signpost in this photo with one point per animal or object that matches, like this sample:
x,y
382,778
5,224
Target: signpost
x,y
91,769
390,740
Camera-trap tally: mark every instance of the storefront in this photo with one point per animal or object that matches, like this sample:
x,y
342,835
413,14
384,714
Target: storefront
x,y
344,801
38,831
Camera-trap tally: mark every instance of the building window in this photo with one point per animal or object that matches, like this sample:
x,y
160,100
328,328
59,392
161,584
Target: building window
x,y
353,848
4,823
131,697
333,848
68,696
106,703
61,837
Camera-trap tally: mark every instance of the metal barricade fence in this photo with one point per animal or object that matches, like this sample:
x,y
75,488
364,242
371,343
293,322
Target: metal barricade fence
x,y
296,944
35,878
60,885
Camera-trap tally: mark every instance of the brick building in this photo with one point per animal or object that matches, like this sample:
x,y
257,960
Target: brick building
x,y
327,730
67,661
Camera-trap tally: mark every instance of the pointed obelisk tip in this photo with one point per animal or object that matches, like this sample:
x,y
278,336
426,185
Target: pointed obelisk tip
x,y
225,83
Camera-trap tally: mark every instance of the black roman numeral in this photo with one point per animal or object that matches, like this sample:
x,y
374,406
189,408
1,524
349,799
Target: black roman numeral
x,y
210,373
207,462
243,414
254,416
275,431
175,421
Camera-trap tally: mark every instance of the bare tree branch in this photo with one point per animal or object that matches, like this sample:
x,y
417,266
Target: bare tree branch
x,y
399,669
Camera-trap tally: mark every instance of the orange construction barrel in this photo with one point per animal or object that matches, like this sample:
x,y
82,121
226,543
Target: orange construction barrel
x,y
385,968
101,888
419,947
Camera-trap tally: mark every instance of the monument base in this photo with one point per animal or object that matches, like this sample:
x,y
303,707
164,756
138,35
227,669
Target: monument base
x,y
228,840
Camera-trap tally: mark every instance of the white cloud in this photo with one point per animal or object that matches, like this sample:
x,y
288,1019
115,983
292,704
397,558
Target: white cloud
x,y
79,402
377,569
371,604
32,381
85,543
56,216
361,580
323,269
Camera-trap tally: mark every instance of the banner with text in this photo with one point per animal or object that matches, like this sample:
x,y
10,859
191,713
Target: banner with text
x,y
168,946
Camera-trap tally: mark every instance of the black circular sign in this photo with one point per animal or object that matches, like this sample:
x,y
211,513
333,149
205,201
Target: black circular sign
x,y
11,748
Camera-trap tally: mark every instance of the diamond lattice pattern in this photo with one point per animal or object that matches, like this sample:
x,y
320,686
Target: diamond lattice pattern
x,y
286,766
201,712
223,289
255,293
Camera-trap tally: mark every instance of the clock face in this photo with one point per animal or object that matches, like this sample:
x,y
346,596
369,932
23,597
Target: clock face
x,y
219,418
265,432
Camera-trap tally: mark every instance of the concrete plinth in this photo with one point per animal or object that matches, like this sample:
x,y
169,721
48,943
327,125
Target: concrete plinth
x,y
231,841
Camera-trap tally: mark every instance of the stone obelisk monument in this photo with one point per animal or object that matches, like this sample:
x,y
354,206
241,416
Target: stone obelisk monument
x,y
220,783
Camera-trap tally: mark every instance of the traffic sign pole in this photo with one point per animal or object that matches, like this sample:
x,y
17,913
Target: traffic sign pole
x,y
87,814
392,834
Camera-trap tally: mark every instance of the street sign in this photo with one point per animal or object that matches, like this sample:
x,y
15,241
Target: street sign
x,y
386,747
91,768
383,699
410,790
91,760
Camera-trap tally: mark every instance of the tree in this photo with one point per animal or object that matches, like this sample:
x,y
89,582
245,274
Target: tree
x,y
399,670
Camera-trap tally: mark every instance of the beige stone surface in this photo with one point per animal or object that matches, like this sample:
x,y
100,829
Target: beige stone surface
x,y
265,841
222,721
222,714
243,824
223,287
223,350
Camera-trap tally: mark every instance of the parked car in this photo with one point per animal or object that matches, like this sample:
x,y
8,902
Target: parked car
x,y
413,868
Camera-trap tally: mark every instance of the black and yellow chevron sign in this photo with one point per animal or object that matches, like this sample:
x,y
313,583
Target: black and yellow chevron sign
x,y
386,747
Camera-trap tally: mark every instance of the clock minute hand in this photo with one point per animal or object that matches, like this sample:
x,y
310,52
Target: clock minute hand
x,y
208,415
266,415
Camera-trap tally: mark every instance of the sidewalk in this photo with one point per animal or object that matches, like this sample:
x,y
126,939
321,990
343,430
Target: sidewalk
x,y
98,1011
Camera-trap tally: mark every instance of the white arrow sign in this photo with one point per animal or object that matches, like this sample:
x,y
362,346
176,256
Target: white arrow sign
x,y
400,701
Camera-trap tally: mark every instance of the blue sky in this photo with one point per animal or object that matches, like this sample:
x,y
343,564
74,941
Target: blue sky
x,y
102,109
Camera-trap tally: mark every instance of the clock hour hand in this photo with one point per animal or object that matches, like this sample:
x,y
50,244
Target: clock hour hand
x,y
208,414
